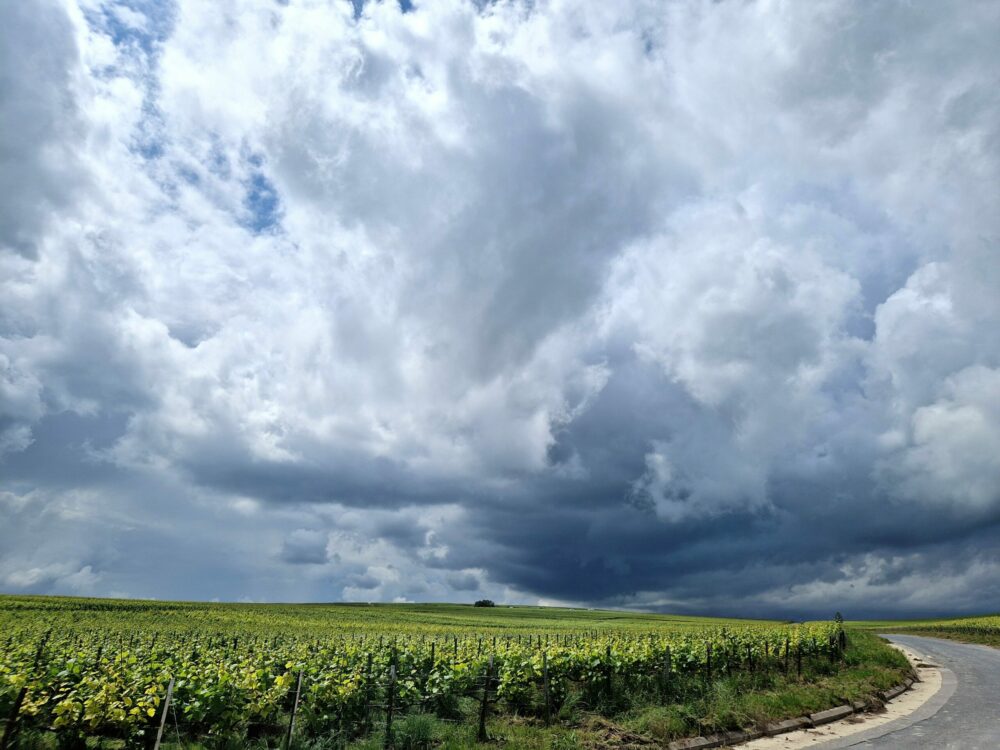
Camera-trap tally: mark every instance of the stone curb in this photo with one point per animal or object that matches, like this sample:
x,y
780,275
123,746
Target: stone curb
x,y
788,725
895,692
831,714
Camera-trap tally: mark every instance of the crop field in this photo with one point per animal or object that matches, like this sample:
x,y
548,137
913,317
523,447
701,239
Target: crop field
x,y
87,673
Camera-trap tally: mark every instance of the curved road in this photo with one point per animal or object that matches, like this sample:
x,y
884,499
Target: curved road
x,y
963,715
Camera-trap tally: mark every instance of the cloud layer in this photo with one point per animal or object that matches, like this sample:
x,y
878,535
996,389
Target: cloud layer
x,y
674,305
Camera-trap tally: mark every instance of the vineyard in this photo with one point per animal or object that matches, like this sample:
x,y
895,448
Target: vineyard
x,y
975,629
988,625
82,669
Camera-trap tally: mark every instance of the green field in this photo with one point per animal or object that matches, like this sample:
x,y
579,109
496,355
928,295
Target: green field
x,y
333,619
95,673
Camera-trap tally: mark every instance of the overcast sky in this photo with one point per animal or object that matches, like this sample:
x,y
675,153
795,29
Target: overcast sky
x,y
678,305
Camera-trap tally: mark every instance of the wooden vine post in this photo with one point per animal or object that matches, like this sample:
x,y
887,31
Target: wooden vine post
x,y
163,714
666,671
481,735
389,706
545,687
366,720
427,678
295,707
608,669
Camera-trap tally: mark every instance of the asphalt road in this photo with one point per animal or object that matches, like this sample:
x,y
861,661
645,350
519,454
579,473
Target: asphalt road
x,y
963,715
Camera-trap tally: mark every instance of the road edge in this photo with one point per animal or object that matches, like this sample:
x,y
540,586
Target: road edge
x,y
934,703
836,714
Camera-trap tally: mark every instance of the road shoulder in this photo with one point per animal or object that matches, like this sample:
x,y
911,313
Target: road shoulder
x,y
924,699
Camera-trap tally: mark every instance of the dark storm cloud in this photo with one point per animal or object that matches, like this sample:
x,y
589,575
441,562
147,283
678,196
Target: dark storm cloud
x,y
362,581
463,582
589,541
547,302
305,547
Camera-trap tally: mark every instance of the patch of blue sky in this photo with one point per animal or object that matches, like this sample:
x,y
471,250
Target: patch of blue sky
x,y
528,5
190,176
148,148
148,138
359,6
137,28
262,204
139,23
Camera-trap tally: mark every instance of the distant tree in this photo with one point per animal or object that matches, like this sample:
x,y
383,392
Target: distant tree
x,y
484,603
838,618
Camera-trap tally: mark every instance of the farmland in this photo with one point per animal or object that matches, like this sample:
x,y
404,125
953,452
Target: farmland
x,y
88,673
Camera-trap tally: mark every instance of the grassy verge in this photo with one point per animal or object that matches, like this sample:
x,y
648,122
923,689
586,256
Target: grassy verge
x,y
738,702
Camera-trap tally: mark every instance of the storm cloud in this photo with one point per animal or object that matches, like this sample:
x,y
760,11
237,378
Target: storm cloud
x,y
682,306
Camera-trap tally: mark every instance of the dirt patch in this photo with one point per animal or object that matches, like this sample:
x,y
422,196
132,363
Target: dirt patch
x,y
608,735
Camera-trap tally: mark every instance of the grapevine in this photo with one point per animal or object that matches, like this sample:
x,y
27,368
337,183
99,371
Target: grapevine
x,y
103,669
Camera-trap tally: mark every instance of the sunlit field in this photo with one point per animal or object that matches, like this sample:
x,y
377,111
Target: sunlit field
x,y
86,672
983,629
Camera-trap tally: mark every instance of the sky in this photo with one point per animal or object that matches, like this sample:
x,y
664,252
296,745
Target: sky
x,y
680,306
